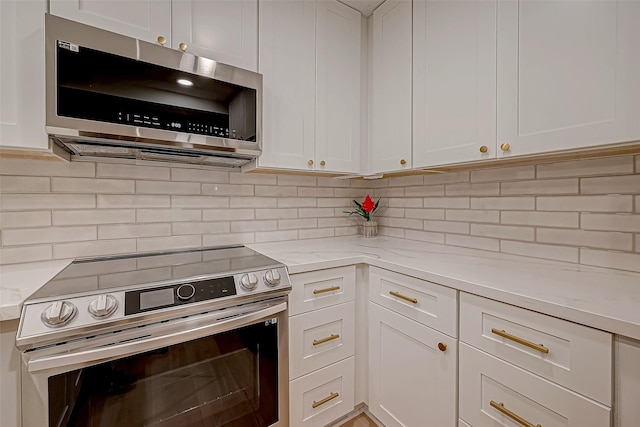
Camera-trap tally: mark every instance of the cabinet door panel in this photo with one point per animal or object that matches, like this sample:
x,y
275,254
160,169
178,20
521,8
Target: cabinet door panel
x,y
484,378
338,88
574,84
391,127
22,75
454,81
412,383
287,62
142,19
226,31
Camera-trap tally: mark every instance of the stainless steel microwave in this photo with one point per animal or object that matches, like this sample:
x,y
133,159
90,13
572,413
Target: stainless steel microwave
x,y
109,95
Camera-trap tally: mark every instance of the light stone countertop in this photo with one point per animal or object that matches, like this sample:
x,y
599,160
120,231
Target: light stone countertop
x,y
601,298
19,281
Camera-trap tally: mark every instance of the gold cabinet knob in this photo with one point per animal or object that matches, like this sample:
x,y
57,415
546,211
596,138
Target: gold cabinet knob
x,y
403,162
310,162
162,40
484,149
322,163
505,147
183,47
442,346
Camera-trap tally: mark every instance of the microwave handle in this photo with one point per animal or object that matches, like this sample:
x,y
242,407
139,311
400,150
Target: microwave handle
x,y
103,354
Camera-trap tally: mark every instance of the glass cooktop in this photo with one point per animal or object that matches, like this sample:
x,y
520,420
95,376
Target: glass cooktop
x,y
96,275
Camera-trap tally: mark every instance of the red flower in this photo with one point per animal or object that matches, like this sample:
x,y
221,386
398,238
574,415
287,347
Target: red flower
x,y
368,205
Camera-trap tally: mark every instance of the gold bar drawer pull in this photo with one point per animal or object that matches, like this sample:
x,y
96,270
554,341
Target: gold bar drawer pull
x,y
515,417
322,291
399,295
503,334
325,400
327,339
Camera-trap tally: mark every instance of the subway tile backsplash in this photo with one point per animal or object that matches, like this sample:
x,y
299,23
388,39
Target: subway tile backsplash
x,y
585,211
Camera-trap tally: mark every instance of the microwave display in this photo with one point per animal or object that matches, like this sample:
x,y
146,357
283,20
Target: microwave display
x,y
95,85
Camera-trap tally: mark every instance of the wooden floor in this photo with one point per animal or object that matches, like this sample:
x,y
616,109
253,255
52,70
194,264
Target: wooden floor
x,y
360,421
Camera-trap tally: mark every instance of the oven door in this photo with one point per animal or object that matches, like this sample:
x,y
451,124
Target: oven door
x,y
226,368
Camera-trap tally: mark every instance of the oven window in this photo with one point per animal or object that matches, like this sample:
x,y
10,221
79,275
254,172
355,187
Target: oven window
x,y
226,380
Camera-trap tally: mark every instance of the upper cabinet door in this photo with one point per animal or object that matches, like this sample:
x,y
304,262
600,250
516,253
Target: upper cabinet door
x,y
148,20
22,74
287,58
390,142
223,30
568,74
454,81
338,87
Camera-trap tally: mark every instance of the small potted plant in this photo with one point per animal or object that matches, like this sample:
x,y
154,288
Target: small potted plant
x,y
366,210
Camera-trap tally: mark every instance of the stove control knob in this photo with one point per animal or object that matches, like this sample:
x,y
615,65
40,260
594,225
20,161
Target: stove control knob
x,y
103,306
249,281
185,292
272,278
58,314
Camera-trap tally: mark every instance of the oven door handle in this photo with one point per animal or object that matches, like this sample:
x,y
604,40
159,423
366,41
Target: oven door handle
x,y
117,351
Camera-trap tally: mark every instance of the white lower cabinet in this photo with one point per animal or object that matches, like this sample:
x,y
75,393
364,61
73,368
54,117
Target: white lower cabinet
x,y
321,337
496,393
323,396
412,372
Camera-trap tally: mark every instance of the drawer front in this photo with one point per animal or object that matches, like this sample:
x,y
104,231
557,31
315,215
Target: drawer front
x,y
578,357
425,302
322,288
320,338
323,396
518,393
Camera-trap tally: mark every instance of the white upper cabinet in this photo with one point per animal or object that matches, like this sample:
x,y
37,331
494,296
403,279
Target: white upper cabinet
x,y
143,19
287,63
390,142
454,81
309,57
337,87
568,74
223,30
226,31
22,74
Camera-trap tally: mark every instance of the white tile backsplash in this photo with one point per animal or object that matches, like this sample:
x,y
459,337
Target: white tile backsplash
x,y
25,219
92,185
589,167
516,173
629,184
542,186
583,211
34,236
544,219
610,222
21,202
594,239
446,202
25,184
610,259
537,250
94,216
586,203
115,170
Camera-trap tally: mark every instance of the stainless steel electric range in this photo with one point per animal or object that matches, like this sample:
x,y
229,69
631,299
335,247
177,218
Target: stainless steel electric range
x,y
183,338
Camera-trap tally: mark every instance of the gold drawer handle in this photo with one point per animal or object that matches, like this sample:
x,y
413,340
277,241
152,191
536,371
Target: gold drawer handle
x,y
325,400
538,347
515,417
327,339
322,291
396,294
